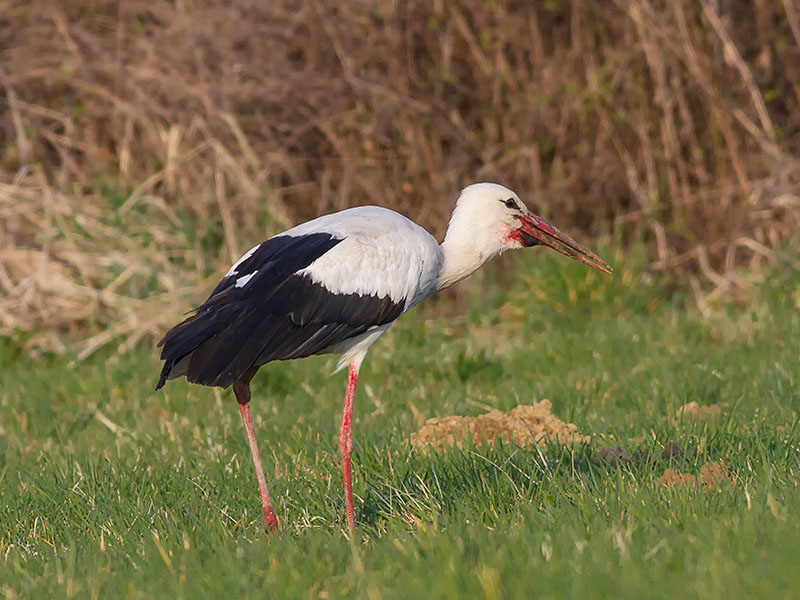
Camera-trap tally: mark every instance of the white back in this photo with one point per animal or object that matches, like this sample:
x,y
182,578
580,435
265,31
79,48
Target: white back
x,y
382,254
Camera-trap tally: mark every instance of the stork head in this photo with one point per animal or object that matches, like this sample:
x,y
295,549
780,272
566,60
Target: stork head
x,y
490,219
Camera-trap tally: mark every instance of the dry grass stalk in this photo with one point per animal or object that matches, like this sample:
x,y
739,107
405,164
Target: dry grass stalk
x,y
225,122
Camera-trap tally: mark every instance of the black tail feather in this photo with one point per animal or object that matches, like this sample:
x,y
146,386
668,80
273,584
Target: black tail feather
x,y
187,336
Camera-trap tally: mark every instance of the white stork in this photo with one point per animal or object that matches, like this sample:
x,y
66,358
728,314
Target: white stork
x,y
336,284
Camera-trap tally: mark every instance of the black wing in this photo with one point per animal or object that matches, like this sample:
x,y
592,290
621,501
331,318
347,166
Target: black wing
x,y
275,315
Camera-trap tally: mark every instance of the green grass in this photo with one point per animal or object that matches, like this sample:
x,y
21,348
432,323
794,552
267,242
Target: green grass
x,y
110,490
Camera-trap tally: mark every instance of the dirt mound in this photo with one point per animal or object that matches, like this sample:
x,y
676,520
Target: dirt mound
x,y
522,425
712,474
693,410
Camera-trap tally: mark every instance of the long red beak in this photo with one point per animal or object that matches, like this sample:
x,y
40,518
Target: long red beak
x,y
535,230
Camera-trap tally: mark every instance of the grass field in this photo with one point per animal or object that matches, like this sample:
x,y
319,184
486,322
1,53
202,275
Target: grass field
x,y
108,490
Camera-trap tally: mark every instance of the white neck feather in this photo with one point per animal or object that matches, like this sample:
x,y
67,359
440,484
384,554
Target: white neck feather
x,y
460,259
478,231
466,249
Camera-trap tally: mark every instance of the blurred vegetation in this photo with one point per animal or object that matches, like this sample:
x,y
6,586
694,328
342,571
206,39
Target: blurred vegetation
x,y
144,145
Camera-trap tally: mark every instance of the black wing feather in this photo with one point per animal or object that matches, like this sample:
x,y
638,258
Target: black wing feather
x,y
277,315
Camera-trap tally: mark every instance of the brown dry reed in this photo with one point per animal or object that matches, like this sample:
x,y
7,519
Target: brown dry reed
x,y
144,145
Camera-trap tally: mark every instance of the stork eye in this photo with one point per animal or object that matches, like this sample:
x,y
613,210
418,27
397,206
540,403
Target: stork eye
x,y
510,203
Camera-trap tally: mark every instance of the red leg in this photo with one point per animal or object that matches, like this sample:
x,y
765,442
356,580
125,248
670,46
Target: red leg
x,y
242,391
346,444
